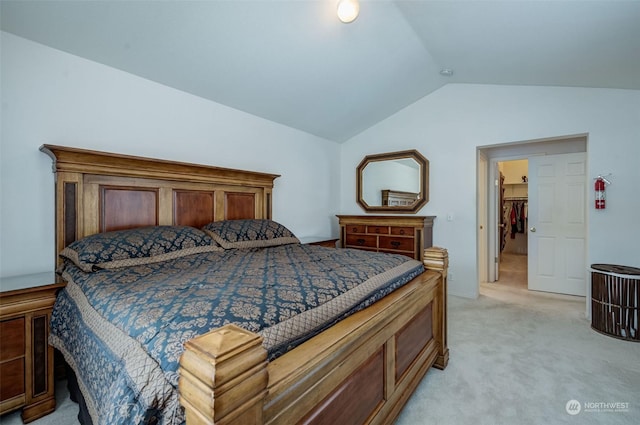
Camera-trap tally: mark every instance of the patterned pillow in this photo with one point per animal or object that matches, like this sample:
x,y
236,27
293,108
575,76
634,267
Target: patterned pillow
x,y
249,233
143,245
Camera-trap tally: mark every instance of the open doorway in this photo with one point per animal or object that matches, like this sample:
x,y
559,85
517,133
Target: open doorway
x,y
495,208
512,231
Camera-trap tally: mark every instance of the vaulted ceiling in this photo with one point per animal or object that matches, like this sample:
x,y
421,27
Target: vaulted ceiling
x,y
295,63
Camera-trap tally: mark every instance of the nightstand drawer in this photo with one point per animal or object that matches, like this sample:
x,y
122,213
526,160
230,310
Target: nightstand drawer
x,y
11,379
26,359
362,240
401,244
330,243
12,332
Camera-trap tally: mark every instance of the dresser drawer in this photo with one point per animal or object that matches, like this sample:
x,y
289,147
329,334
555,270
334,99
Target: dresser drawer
x,y
362,241
397,243
11,379
356,228
378,230
12,332
402,231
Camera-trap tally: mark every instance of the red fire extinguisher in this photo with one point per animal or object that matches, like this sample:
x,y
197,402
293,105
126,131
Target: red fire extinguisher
x,y
599,187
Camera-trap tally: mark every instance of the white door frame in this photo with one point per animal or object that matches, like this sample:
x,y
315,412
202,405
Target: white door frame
x,y
513,151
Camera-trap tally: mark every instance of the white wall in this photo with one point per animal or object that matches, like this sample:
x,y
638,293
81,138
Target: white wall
x,y
52,97
449,124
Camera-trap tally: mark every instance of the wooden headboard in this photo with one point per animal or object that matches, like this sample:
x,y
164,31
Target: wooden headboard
x,y
99,192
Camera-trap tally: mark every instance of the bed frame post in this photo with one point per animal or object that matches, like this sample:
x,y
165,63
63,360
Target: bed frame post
x,y
437,259
223,377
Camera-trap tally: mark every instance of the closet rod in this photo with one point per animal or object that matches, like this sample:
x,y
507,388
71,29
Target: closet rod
x,y
517,198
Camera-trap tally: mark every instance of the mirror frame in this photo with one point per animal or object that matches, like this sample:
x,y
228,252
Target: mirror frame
x,y
423,196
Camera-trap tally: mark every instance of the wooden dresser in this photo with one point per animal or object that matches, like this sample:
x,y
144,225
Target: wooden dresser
x,y
408,235
26,358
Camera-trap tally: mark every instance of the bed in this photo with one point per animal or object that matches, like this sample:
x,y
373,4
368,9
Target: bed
x,y
358,363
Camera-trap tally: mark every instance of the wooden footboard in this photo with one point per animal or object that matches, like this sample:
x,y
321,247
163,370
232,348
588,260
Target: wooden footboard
x,y
362,370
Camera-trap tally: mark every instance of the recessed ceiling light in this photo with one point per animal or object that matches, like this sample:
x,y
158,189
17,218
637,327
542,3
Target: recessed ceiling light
x,y
447,72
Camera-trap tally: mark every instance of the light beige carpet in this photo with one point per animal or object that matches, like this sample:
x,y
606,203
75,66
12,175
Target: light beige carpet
x,y
517,357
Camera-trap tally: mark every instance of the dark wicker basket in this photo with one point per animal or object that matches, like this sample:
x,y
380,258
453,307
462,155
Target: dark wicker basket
x,y
615,301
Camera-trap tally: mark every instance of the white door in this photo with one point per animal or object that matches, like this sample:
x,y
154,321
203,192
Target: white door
x,y
557,223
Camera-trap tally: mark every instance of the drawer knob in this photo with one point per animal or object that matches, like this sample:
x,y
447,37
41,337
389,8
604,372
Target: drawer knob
x,y
360,241
354,229
395,244
402,231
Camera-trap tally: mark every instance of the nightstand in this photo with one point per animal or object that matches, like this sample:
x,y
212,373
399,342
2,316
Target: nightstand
x,y
319,240
26,359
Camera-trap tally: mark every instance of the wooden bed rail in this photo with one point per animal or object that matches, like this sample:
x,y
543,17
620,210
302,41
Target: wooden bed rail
x,y
224,374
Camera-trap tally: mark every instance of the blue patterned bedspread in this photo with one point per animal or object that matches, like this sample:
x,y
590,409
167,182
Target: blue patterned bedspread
x,y
123,330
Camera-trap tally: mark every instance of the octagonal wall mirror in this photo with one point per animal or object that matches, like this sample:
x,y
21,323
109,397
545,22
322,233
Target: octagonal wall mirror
x,y
393,182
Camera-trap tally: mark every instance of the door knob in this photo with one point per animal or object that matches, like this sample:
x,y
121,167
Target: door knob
x,y
532,229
